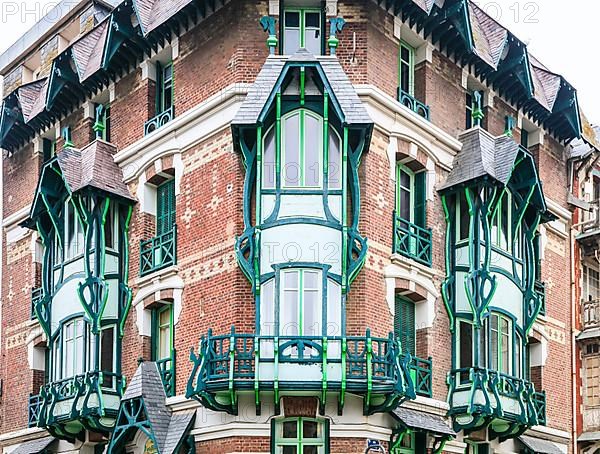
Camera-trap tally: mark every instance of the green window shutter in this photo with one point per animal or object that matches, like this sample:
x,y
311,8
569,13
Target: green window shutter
x,y
420,199
404,324
165,209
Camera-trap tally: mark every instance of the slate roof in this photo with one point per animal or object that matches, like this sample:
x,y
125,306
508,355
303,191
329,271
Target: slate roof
x,y
34,446
540,446
489,37
482,154
169,428
587,144
419,420
93,166
589,436
350,104
87,51
29,96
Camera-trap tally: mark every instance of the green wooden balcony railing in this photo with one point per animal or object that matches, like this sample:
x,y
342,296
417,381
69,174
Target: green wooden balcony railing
x,y
421,372
412,241
540,289
158,252
90,400
166,366
371,366
33,410
159,120
36,295
487,394
406,99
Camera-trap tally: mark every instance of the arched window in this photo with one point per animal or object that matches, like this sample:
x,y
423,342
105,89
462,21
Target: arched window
x,y
302,155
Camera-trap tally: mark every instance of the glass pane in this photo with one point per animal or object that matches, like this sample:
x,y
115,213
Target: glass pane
x,y
312,313
106,347
464,218
290,450
291,166
292,19
311,280
289,322
310,449
291,41
313,19
312,151
79,358
290,429
335,170
466,345
334,309
405,211
290,279
310,429
405,77
269,160
165,317
267,309
405,54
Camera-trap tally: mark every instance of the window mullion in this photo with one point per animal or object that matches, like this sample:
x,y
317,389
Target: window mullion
x,y
302,154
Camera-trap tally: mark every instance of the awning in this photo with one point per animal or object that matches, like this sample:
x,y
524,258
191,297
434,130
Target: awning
x,y
34,446
538,445
589,436
421,421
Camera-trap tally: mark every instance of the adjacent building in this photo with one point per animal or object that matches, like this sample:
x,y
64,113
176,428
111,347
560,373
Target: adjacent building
x,y
290,226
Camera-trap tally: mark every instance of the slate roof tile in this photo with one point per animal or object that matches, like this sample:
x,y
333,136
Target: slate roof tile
x,y
420,420
34,446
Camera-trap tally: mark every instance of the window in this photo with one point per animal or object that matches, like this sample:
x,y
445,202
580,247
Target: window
x,y
591,283
103,118
73,238
465,349
411,195
301,306
524,138
463,218
592,381
73,338
472,109
165,207
500,331
407,69
302,28
501,234
404,324
164,84
48,149
300,436
162,344
111,228
302,154
107,354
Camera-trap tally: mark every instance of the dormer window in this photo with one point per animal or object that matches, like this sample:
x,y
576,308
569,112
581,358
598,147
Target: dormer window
x,y
302,28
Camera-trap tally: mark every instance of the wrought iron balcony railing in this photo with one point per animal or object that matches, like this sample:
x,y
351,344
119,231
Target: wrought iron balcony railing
x,y
36,295
487,394
406,99
540,289
158,252
86,400
33,410
166,367
159,120
412,241
372,366
591,314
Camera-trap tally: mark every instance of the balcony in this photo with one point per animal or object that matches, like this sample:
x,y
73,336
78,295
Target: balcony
x,y
36,295
413,104
33,410
540,289
166,368
372,367
591,314
158,252
589,229
482,398
159,120
412,241
87,401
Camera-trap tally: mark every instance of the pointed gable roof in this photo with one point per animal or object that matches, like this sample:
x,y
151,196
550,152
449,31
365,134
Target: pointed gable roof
x,y
88,51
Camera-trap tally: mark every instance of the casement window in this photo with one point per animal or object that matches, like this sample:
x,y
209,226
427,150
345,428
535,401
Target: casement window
x,y
73,348
591,283
165,207
501,232
463,218
104,119
465,348
500,332
302,154
592,381
111,228
300,436
406,70
107,353
164,87
404,324
73,235
411,196
302,28
162,332
300,310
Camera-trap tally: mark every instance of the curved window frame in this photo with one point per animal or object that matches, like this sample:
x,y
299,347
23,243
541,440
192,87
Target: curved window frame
x,y
324,170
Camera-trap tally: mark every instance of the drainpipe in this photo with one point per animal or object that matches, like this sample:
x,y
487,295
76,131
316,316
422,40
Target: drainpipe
x,y
574,386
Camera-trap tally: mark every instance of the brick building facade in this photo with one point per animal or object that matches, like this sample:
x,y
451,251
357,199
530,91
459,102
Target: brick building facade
x,y
159,196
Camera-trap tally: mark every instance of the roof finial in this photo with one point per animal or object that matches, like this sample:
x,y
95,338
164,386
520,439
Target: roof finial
x,y
336,25
268,25
99,126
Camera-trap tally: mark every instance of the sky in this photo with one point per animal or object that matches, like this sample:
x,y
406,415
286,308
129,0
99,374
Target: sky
x,y
560,34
